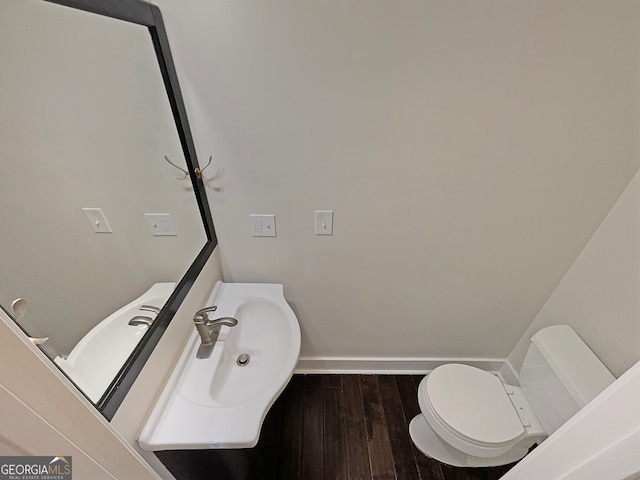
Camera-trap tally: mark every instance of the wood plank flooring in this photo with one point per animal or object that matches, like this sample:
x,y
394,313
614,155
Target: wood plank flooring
x,y
357,427
334,427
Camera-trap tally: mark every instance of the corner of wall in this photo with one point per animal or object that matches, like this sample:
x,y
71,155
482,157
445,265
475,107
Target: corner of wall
x,y
508,373
601,286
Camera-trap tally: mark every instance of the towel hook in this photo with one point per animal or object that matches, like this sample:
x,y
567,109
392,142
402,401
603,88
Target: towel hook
x,y
199,170
185,173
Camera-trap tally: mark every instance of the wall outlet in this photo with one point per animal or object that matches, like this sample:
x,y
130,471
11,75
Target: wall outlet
x,y
263,225
97,220
160,224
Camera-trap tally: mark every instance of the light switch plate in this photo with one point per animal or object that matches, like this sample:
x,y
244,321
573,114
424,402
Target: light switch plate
x,y
97,220
263,225
324,222
160,224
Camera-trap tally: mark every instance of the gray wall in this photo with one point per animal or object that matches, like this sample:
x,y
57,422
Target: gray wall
x,y
469,149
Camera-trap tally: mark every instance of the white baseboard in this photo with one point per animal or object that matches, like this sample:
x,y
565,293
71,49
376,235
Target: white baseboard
x,y
391,366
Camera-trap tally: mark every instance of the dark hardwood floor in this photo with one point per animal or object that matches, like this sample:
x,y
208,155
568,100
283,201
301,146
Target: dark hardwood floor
x,y
331,427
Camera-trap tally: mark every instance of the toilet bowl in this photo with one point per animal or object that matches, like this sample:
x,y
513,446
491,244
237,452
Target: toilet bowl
x,y
470,418
471,410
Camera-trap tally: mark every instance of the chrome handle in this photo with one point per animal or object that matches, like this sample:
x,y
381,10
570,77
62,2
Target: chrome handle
x,y
227,321
201,315
140,320
150,308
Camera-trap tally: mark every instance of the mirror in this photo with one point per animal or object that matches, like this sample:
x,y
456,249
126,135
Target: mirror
x,y
90,108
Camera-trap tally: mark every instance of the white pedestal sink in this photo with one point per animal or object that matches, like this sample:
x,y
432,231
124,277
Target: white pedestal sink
x,y
217,402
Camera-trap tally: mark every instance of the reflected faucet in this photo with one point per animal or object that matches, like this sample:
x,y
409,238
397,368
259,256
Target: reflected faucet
x,y
144,319
150,308
209,329
141,320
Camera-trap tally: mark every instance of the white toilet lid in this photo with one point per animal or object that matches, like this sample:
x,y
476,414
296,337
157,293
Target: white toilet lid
x,y
473,402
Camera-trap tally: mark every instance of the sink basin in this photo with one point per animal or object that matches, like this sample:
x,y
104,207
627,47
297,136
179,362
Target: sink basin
x,y
96,359
219,402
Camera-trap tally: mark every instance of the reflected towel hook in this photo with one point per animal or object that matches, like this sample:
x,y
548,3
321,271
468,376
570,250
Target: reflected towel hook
x,y
185,173
19,307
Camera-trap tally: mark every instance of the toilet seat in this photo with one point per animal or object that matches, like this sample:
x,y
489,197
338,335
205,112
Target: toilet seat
x,y
470,409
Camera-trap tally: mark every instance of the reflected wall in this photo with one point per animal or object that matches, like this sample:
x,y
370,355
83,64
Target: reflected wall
x,y
85,122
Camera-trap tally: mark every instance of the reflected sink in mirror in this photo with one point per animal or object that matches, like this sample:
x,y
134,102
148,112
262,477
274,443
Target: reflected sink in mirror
x,y
94,362
221,401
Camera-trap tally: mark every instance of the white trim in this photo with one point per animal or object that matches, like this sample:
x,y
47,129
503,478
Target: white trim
x,y
390,365
602,437
40,385
623,455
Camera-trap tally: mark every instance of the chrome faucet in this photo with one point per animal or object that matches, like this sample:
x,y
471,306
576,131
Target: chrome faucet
x,y
209,329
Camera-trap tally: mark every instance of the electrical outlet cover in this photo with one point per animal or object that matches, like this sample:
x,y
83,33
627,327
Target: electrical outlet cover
x,y
263,225
324,222
97,220
160,224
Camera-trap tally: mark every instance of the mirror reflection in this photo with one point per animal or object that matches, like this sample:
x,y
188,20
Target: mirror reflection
x,y
85,124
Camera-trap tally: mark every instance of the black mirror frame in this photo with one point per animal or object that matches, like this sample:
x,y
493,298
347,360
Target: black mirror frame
x,y
148,15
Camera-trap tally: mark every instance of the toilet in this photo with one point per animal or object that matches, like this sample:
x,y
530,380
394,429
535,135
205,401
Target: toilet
x,y
470,418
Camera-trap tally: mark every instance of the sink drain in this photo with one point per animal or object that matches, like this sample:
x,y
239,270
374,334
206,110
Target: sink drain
x,y
243,360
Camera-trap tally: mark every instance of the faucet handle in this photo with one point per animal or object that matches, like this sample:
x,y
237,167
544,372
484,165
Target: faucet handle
x,y
218,322
141,320
201,315
150,308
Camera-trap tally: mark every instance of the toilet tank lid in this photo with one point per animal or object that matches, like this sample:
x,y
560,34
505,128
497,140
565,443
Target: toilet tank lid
x,y
584,375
